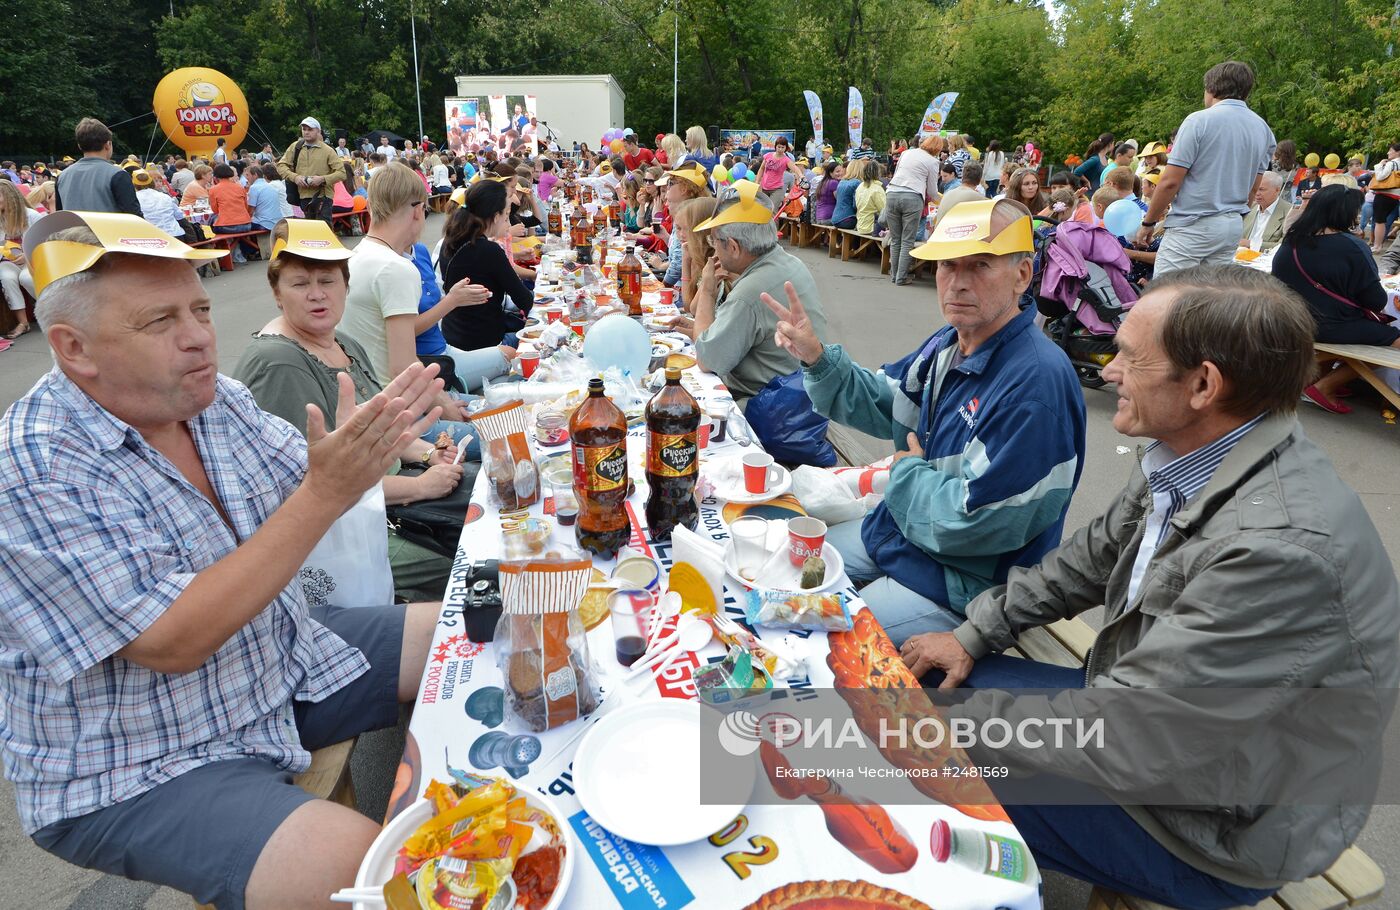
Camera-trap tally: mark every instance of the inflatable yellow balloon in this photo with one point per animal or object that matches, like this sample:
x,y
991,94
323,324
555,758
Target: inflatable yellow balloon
x,y
197,107
1311,160
1332,160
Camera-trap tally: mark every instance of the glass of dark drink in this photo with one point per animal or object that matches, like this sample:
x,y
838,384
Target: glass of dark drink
x,y
630,610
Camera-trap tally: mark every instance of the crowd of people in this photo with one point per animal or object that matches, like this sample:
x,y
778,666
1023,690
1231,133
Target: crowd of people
x,y
160,550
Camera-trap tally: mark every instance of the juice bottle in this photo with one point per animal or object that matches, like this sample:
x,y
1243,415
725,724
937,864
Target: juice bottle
x,y
673,464
629,282
598,432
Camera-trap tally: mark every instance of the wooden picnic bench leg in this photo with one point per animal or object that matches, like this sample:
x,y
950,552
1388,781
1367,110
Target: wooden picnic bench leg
x,y
884,259
845,247
833,243
1364,370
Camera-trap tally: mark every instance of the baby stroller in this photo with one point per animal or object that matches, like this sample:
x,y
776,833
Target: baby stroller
x,y
1081,287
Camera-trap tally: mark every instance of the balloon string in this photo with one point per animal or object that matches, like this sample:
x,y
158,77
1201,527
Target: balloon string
x,y
258,126
131,119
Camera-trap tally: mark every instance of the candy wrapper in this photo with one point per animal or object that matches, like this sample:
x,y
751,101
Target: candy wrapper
x,y
513,482
541,647
737,676
793,610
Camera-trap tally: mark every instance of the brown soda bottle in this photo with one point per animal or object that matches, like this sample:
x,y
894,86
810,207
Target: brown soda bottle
x,y
556,221
629,282
673,458
598,433
578,239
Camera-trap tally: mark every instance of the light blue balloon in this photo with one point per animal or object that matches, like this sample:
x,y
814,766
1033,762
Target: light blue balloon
x,y
739,170
1123,218
618,341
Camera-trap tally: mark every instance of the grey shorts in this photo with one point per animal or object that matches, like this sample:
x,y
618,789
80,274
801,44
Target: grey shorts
x,y
202,832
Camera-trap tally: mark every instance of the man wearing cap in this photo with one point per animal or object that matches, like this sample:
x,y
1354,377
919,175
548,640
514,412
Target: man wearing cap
x,y
733,329
989,418
313,167
94,184
157,206
161,674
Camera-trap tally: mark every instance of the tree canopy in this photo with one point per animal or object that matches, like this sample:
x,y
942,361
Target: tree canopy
x,y
1326,74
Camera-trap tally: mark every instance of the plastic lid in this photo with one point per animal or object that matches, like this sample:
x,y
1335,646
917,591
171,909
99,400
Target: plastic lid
x,y
595,385
940,841
673,374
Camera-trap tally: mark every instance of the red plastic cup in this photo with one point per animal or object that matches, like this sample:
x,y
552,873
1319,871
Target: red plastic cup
x,y
759,472
553,314
702,435
528,361
806,536
668,296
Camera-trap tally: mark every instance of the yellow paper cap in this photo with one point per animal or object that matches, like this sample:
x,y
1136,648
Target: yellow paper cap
x,y
966,231
1152,148
748,210
459,196
695,174
50,260
141,179
311,238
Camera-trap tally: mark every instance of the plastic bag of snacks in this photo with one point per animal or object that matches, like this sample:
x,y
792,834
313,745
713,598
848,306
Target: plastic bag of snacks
x,y
793,610
485,846
513,482
541,647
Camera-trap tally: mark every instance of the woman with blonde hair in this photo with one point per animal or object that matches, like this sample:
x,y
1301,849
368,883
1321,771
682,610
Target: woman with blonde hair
x,y
686,182
41,198
198,188
15,218
958,155
697,148
438,175
381,303
695,247
672,150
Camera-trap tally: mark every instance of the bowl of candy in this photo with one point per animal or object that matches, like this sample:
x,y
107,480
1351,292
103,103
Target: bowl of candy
x,y
478,842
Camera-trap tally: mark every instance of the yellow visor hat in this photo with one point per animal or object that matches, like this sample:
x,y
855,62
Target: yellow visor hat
x,y
748,210
695,174
50,260
311,238
966,231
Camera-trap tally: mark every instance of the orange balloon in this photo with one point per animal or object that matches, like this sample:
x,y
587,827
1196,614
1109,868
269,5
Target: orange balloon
x,y
359,204
198,106
616,146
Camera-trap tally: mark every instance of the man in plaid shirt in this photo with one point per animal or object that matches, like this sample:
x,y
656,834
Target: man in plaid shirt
x,y
161,677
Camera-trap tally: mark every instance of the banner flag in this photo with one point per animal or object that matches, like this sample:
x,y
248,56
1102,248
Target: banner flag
x,y
814,107
855,115
937,114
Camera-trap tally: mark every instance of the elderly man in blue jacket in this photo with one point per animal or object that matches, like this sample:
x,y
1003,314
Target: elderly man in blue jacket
x,y
990,418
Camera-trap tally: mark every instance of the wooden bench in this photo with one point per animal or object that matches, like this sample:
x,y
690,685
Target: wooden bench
x,y
1353,880
1361,358
327,778
854,245
344,217
792,228
438,202
915,265
226,242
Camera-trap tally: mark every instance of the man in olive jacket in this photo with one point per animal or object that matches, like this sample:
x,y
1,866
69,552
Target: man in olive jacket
x,y
314,168
1235,559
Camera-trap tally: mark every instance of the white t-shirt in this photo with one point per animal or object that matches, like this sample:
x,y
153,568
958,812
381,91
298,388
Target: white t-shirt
x,y
388,151
382,284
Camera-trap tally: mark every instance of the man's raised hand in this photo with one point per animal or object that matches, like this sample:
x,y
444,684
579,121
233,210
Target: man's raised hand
x,y
346,462
795,333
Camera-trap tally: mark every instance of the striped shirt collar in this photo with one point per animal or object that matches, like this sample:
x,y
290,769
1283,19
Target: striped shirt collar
x,y
1183,477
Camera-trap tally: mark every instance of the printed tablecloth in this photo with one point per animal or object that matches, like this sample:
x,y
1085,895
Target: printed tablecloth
x,y
771,856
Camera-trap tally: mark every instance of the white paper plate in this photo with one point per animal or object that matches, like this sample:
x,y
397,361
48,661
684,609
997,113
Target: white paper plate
x,y
637,773
733,491
378,864
788,576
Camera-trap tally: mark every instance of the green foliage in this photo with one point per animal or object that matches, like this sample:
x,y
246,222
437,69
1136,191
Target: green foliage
x,y
1133,67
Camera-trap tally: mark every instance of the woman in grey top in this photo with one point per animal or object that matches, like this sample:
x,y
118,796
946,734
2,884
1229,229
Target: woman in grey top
x,y
914,185
296,359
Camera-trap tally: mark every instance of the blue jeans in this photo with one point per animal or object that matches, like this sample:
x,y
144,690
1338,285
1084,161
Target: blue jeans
x,y
1368,219
1100,844
901,612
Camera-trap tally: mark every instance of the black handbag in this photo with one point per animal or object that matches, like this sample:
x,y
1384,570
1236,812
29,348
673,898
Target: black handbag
x,y
294,191
435,523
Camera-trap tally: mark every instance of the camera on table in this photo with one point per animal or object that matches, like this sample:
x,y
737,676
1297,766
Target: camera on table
x,y
482,607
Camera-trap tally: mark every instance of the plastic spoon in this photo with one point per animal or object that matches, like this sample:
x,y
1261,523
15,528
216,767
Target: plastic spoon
x,y
692,638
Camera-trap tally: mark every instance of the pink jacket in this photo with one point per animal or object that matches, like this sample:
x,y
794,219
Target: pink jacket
x,y
1066,270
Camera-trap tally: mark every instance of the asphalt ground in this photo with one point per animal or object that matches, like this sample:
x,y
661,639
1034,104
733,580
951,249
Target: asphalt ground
x,y
877,323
